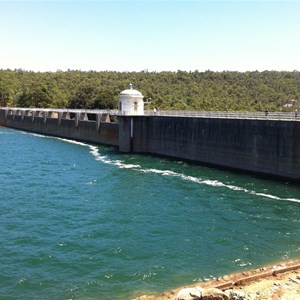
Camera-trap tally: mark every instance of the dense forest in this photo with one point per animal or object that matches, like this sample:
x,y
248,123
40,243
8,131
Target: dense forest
x,y
236,91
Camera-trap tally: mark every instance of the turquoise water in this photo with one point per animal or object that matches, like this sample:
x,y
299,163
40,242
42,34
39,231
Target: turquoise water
x,y
81,221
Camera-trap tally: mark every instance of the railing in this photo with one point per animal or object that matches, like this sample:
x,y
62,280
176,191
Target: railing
x,y
291,116
227,114
66,110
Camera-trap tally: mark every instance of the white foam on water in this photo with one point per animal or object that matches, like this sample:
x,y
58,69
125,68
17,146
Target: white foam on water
x,y
275,197
162,172
73,142
122,165
34,134
215,183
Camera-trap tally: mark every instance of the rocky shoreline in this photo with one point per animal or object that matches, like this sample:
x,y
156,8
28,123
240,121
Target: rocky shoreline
x,y
280,281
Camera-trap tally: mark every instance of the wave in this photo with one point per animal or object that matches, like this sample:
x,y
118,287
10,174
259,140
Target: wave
x,y
122,165
35,134
215,183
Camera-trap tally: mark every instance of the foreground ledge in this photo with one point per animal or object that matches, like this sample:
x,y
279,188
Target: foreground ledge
x,y
280,281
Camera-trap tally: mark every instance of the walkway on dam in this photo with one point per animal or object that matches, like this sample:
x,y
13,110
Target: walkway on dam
x,y
292,116
286,116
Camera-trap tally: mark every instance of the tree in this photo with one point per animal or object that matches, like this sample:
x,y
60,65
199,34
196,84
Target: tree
x,y
5,92
168,90
82,96
104,98
37,96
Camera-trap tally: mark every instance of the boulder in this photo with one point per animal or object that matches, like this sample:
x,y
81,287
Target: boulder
x,y
213,294
190,293
198,293
235,295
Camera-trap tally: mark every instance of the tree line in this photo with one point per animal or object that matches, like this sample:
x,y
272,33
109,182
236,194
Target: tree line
x,y
181,90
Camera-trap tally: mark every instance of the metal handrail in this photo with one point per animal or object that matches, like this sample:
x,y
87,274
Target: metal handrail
x,y
67,110
177,113
227,114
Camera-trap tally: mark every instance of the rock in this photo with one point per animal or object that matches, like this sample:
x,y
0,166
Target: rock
x,y
213,294
294,280
201,294
235,295
190,293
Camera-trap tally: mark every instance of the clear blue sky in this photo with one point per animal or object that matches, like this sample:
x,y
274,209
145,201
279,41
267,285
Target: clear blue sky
x,y
153,35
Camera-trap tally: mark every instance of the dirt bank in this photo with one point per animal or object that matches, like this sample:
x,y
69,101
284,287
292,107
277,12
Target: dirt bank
x,y
274,282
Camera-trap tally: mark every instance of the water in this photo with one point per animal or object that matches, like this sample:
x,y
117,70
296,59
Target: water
x,y
81,221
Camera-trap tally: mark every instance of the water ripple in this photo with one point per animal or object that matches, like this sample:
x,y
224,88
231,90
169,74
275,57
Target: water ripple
x,y
72,228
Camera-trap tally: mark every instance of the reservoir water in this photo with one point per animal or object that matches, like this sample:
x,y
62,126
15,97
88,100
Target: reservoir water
x,y
80,221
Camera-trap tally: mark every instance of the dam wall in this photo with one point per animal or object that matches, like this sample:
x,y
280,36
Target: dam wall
x,y
92,127
270,147
263,144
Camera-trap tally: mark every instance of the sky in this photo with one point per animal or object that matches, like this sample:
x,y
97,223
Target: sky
x,y
150,35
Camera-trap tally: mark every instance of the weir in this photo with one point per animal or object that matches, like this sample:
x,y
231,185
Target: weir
x,y
252,142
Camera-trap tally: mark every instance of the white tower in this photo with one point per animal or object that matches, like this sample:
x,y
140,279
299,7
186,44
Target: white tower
x,y
131,102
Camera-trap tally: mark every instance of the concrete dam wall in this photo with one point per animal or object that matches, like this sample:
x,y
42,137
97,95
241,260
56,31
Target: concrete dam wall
x,y
265,146
270,147
94,127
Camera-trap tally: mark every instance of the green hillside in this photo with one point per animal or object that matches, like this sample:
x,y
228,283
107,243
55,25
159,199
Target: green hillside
x,y
236,91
